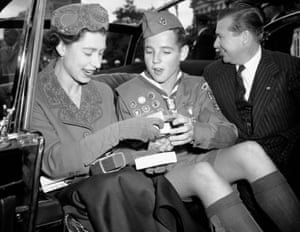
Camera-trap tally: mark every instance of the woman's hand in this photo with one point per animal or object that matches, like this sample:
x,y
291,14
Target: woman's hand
x,y
144,129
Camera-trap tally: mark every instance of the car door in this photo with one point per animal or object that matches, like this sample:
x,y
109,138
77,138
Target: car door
x,y
20,149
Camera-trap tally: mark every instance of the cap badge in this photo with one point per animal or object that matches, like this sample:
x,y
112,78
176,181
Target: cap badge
x,y
163,21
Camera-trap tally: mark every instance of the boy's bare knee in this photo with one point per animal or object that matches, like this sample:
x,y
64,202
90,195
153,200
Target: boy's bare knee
x,y
254,160
251,151
203,173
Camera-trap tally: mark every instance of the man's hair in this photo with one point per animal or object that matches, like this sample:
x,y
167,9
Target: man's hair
x,y
244,17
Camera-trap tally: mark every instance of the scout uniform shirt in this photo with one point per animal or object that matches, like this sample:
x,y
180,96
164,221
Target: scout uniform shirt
x,y
191,97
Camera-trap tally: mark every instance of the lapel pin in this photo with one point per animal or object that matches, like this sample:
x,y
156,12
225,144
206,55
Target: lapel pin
x,y
268,88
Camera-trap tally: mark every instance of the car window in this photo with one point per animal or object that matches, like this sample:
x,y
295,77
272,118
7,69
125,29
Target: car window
x,y
11,23
283,34
295,49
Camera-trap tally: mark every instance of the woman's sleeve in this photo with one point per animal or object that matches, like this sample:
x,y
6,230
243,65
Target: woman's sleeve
x,y
64,155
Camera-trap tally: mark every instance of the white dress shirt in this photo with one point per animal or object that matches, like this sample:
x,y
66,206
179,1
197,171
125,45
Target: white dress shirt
x,y
248,73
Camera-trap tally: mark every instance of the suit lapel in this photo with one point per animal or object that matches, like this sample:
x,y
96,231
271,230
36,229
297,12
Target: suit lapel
x,y
225,88
263,87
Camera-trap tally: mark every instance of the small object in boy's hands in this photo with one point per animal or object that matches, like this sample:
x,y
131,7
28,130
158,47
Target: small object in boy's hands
x,y
166,129
167,117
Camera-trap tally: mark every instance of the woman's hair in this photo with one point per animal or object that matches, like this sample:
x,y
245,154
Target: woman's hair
x,y
53,37
244,17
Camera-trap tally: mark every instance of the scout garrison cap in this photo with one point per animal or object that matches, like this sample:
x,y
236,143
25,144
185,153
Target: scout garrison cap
x,y
157,22
71,19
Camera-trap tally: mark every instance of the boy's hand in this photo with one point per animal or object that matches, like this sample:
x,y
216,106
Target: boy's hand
x,y
160,145
182,132
156,170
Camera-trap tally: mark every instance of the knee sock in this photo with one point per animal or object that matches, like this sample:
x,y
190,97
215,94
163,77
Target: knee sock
x,y
277,199
229,214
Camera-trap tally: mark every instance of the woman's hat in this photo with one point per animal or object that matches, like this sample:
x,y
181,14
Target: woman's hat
x,y
71,19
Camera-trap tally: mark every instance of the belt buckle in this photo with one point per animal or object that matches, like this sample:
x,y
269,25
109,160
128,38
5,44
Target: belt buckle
x,y
112,162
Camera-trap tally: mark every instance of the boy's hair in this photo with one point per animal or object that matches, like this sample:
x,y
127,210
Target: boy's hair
x,y
181,36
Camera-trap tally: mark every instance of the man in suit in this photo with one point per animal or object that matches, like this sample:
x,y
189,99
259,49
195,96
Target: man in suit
x,y
267,111
271,81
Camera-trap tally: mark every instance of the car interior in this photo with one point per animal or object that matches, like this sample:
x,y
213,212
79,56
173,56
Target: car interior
x,y
23,204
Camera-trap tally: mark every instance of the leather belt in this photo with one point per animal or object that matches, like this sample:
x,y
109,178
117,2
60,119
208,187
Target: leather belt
x,y
115,161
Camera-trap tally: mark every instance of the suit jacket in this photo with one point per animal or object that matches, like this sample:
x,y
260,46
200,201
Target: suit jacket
x,y
275,97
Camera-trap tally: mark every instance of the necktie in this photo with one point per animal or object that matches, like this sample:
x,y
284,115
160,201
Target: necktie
x,y
244,108
240,85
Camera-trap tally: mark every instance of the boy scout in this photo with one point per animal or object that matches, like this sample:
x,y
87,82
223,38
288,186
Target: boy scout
x,y
199,124
163,87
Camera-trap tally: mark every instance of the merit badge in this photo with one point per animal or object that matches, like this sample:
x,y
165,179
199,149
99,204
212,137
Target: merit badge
x,y
132,104
216,106
204,86
212,98
210,95
146,108
151,95
137,112
141,99
155,104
